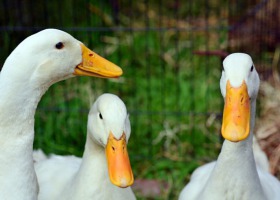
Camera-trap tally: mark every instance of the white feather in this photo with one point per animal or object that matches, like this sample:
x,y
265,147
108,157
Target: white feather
x,y
235,176
33,66
69,177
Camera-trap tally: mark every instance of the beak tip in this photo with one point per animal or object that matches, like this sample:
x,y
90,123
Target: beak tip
x,y
235,135
123,183
119,71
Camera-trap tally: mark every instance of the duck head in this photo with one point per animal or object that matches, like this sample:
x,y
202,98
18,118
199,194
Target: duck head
x,y
239,86
52,55
109,126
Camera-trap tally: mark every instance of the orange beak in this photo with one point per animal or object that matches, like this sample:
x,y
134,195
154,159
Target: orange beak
x,y
236,116
119,168
94,65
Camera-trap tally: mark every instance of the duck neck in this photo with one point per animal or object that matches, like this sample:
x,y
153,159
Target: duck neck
x,y
18,103
235,169
90,184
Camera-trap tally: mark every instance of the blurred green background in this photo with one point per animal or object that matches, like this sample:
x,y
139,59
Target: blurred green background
x,y
171,54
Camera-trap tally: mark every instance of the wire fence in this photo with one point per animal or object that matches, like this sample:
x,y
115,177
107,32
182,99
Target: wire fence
x,y
171,53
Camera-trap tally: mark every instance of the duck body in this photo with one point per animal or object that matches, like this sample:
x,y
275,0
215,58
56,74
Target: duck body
x,y
73,178
235,175
67,176
220,180
35,64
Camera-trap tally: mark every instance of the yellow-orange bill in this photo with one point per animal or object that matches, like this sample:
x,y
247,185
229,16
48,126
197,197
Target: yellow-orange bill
x,y
119,168
95,65
236,116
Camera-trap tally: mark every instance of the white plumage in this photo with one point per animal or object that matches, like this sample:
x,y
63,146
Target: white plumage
x,y
69,177
35,64
235,176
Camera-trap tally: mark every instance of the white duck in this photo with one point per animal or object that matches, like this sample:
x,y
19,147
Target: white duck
x,y
235,176
36,63
69,177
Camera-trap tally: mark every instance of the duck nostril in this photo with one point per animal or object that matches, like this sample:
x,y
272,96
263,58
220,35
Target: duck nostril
x,y
90,55
113,148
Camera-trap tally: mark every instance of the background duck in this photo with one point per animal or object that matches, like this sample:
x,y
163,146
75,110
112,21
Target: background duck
x,y
105,158
235,174
35,64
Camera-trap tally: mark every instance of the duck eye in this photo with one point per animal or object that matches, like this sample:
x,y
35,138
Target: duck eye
x,y
252,68
100,116
59,45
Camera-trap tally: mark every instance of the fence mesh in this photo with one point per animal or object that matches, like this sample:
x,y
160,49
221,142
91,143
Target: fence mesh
x,y
171,53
